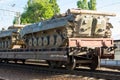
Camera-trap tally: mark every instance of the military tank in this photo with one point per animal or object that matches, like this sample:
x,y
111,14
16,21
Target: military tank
x,y
75,23
9,38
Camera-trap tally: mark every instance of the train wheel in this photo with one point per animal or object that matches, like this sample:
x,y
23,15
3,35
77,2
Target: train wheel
x,y
59,64
58,40
6,61
34,42
45,41
95,62
71,65
52,64
30,42
23,61
16,61
51,41
0,60
39,41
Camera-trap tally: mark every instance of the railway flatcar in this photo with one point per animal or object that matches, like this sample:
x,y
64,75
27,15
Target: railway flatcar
x,y
77,37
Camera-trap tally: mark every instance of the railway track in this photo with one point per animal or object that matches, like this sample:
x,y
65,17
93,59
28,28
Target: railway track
x,y
75,74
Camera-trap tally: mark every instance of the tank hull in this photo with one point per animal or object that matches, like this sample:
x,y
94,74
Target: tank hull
x,y
9,38
75,23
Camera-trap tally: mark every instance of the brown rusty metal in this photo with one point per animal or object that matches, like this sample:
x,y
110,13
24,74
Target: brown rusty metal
x,y
90,42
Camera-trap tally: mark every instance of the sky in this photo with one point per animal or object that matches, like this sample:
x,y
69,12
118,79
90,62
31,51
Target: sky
x,y
13,6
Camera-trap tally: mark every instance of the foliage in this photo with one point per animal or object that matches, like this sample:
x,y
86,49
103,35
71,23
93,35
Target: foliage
x,y
15,20
92,4
55,6
37,10
84,4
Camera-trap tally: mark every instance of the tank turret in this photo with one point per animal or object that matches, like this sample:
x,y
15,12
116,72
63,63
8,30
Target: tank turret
x,y
92,24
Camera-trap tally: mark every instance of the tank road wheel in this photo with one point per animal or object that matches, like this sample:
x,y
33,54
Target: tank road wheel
x,y
45,41
58,40
39,42
34,42
30,42
9,43
51,41
72,64
95,62
6,44
2,44
64,33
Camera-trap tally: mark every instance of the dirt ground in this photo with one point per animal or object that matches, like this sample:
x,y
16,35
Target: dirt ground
x,y
11,73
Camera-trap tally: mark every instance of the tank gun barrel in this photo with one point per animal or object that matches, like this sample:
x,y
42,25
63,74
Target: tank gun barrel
x,y
78,11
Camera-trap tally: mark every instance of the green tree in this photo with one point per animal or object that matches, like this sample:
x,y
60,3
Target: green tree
x,y
92,4
37,10
55,6
84,4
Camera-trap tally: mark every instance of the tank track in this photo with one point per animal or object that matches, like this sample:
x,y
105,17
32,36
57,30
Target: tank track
x,y
10,43
49,39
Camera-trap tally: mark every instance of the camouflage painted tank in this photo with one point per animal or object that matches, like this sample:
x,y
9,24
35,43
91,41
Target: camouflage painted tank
x,y
74,23
10,38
